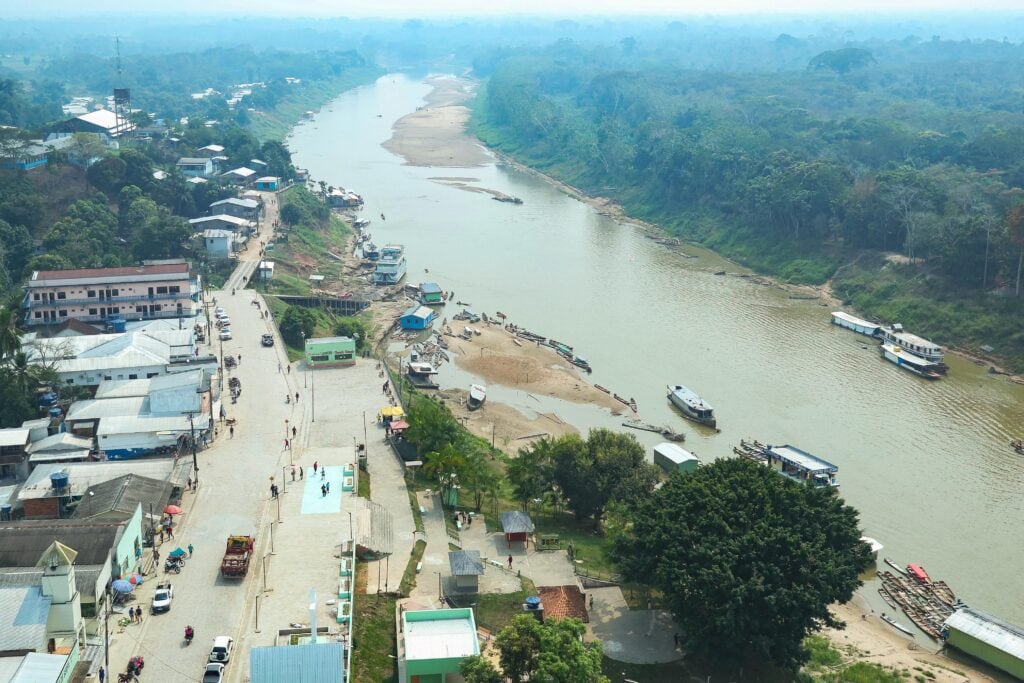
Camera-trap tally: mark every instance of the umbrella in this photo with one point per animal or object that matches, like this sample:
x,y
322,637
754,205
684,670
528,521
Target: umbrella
x,y
399,425
177,552
135,579
172,510
122,586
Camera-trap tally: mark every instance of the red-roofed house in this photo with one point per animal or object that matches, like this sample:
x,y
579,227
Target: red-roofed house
x,y
160,290
561,602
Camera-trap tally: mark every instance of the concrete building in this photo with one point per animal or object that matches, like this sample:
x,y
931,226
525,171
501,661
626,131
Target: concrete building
x,y
219,243
36,667
249,209
59,448
239,176
101,121
990,639
330,351
431,294
195,167
674,458
222,222
268,183
96,294
467,568
13,453
435,643
416,317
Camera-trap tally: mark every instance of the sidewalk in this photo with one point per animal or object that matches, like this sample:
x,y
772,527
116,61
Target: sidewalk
x,y
636,636
387,488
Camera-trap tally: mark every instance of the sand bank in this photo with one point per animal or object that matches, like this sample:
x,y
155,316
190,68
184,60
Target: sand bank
x,y
435,135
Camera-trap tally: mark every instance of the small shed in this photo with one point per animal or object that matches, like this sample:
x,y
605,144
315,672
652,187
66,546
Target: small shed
x,y
517,527
988,638
218,243
467,568
430,293
265,271
435,643
268,183
674,458
330,351
416,318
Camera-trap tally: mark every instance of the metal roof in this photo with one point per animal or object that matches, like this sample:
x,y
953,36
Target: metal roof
x,y
149,424
14,436
674,452
36,667
235,201
327,340
23,543
223,218
988,629
23,614
103,408
320,663
516,522
83,475
118,498
268,179
430,288
62,441
57,277
194,161
86,576
418,311
791,455
465,563
122,388
241,171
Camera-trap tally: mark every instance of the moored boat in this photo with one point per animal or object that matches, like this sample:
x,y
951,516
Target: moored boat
x,y
477,396
919,346
896,625
874,545
918,572
854,323
911,362
692,405
896,567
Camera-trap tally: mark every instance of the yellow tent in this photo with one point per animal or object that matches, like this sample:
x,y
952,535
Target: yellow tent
x,y
390,413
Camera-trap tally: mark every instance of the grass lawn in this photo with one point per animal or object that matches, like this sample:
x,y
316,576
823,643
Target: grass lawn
x,y
364,484
409,577
495,610
374,644
591,547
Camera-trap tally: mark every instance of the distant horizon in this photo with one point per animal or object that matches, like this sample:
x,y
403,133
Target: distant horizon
x,y
43,10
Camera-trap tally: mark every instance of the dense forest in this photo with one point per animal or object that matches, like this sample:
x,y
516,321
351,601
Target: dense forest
x,y
892,168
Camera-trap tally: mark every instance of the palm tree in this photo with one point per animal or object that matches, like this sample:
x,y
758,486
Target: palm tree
x,y
444,466
10,340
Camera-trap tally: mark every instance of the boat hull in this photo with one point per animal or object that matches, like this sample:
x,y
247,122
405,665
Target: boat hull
x,y
477,396
689,413
907,362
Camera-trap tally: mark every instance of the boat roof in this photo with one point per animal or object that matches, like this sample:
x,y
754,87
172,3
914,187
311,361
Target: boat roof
x,y
853,319
918,360
791,455
988,629
909,338
689,397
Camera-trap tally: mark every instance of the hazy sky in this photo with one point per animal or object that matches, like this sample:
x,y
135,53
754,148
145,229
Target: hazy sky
x,y
425,8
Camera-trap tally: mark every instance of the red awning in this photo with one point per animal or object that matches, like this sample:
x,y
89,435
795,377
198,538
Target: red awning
x,y
399,425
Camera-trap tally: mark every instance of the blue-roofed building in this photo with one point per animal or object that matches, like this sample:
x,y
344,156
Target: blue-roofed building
x,y
416,318
36,667
320,663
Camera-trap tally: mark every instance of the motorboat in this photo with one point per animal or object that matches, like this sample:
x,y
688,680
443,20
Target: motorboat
x,y
477,396
692,405
911,362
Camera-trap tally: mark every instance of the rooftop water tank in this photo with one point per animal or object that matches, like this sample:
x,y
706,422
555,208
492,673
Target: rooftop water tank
x,y
54,412
116,324
59,480
5,512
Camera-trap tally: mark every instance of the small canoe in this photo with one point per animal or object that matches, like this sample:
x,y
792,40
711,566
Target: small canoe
x,y
896,625
899,570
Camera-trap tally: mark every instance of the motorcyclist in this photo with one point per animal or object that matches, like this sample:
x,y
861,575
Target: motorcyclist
x,y
189,634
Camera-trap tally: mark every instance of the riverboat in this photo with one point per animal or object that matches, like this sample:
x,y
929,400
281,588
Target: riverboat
x,y
390,266
370,251
874,545
792,463
919,346
910,362
856,324
896,567
896,625
361,223
918,572
477,396
420,368
692,405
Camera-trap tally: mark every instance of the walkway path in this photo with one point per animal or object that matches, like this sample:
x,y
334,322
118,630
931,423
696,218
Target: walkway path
x,y
638,636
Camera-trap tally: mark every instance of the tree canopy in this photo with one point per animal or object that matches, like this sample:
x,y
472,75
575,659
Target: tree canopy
x,y
748,561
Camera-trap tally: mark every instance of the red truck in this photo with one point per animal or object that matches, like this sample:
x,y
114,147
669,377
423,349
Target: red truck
x,y
236,556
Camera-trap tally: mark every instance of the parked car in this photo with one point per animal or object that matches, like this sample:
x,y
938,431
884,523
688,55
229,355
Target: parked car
x,y
162,597
214,673
222,646
225,334
219,311
267,340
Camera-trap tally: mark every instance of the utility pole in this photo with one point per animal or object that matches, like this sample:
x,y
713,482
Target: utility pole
x,y
312,384
195,461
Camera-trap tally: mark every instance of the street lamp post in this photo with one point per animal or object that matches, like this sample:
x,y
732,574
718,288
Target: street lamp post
x,y
278,508
305,360
195,462
272,523
312,384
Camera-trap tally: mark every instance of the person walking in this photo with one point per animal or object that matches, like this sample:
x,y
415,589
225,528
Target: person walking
x,y
510,561
103,674
296,397
295,431
328,485
293,472
232,430
323,491
286,444
323,473
239,359
170,532
290,372
161,534
302,473
190,549
316,464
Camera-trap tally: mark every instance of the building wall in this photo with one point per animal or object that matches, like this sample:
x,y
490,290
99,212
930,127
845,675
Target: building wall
x,y
411,322
986,653
125,446
126,559
42,508
94,377
324,355
133,300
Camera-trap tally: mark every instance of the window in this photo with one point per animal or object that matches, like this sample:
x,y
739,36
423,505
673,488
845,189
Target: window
x,y
133,376
320,357
62,295
62,314
140,309
35,297
115,309
91,294
343,355
92,311
161,290
107,377
150,375
71,381
175,289
113,292
38,314
158,307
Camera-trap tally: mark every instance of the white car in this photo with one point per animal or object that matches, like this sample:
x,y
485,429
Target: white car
x,y
222,646
162,597
220,311
225,334
214,673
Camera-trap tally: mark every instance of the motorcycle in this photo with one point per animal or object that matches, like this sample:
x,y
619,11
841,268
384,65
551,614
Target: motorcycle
x,y
189,634
173,566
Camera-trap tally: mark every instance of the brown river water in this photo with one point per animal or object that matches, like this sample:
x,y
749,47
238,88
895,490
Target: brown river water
x,y
927,463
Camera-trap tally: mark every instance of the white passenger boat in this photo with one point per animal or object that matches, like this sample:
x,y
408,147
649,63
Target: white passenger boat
x,y
854,323
919,346
477,396
911,362
692,405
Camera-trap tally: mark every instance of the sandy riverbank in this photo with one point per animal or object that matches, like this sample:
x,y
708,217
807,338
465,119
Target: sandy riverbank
x,y
435,134
877,642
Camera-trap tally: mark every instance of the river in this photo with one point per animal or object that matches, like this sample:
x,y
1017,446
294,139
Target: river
x,y
927,464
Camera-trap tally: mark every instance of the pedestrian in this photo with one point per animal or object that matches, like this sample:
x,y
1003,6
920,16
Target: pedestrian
x,y
302,473
591,601
293,472
296,397
295,430
138,614
190,549
286,444
103,674
278,367
323,491
510,561
272,490
675,638
316,464
156,556
188,484
232,430
239,359
161,534
289,367
323,473
328,485
170,532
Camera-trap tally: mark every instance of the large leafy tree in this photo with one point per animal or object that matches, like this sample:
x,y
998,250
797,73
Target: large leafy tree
x,y
297,324
431,426
552,652
532,471
748,561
